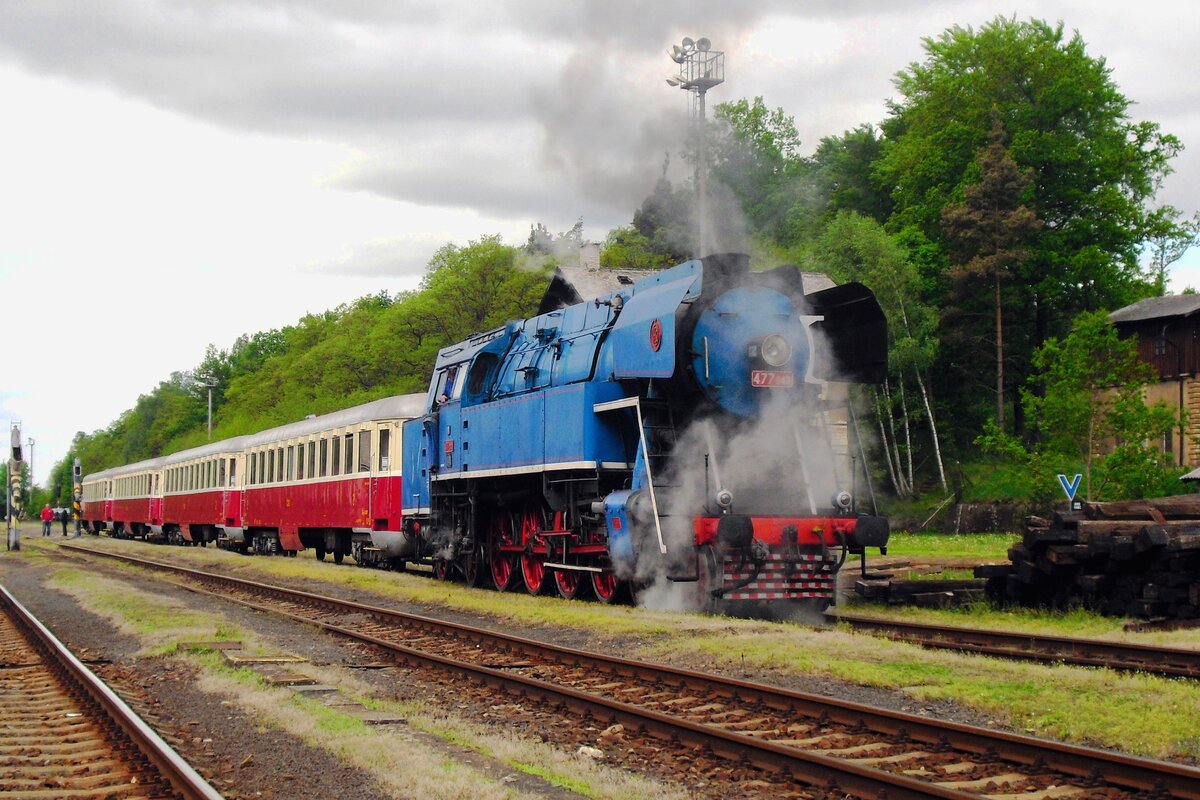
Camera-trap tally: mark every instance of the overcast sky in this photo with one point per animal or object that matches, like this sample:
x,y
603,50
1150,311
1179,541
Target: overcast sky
x,y
175,174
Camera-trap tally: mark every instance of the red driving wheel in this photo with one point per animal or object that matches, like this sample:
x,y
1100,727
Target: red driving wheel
x,y
533,565
607,587
501,564
570,584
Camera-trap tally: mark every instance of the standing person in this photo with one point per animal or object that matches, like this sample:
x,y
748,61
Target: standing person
x,y
47,517
66,515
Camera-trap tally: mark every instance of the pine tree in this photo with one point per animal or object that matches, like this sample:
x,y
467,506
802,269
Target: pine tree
x,y
988,228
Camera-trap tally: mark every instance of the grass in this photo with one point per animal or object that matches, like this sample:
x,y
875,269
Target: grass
x,y
168,628
1148,715
1072,622
940,575
420,589
979,546
160,622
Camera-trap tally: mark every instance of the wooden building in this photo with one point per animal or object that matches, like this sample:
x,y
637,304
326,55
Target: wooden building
x,y
1168,336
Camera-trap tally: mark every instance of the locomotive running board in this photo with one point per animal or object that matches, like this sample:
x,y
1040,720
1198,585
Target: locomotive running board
x,y
636,404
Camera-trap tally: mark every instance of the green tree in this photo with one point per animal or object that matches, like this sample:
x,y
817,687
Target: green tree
x,y
843,170
756,154
987,230
665,221
1090,410
856,248
627,248
1094,170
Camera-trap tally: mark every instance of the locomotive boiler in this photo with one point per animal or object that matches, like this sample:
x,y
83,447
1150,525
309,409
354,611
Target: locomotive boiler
x,y
686,434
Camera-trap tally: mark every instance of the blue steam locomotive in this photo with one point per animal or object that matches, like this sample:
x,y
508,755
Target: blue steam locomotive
x,y
685,436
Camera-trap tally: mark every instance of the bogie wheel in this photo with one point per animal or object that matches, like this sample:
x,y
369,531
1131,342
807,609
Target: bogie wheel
x,y
502,565
571,585
533,565
319,551
710,579
473,566
338,556
607,587
441,569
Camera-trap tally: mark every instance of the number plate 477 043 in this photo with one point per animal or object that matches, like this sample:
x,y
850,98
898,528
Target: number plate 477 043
x,y
769,379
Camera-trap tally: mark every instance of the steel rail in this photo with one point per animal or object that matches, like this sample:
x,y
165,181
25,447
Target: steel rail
x,y
1172,662
170,765
1131,773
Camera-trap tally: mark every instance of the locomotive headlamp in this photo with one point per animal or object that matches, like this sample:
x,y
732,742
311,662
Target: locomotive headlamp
x,y
775,350
724,499
843,501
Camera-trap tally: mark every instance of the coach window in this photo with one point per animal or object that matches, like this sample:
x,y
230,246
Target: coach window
x,y
324,460
253,470
349,453
279,461
385,442
300,461
212,474
262,466
364,451
335,462
271,465
220,472
232,472
312,458
291,462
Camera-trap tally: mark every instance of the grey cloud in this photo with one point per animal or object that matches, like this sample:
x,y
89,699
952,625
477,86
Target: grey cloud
x,y
531,105
399,257
493,177
259,67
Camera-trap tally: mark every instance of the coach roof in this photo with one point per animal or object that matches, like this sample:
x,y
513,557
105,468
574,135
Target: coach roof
x,y
405,406
235,445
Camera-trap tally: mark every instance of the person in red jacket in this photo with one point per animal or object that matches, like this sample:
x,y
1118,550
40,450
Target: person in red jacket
x,y
47,518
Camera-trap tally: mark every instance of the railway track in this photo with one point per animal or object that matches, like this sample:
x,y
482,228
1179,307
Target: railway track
x,y
793,739
64,733
1170,662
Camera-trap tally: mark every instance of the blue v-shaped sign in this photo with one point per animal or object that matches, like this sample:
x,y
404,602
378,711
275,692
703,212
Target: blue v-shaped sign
x,y
1072,487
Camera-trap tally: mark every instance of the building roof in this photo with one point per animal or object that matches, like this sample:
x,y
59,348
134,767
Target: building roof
x,y
1173,305
573,284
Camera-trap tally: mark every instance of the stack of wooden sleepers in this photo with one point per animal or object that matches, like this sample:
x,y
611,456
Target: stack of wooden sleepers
x,y
1132,558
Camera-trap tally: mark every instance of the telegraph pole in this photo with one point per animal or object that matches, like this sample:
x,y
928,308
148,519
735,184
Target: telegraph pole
x,y
208,383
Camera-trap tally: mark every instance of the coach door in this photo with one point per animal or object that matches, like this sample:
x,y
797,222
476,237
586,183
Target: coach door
x,y
230,507
364,452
